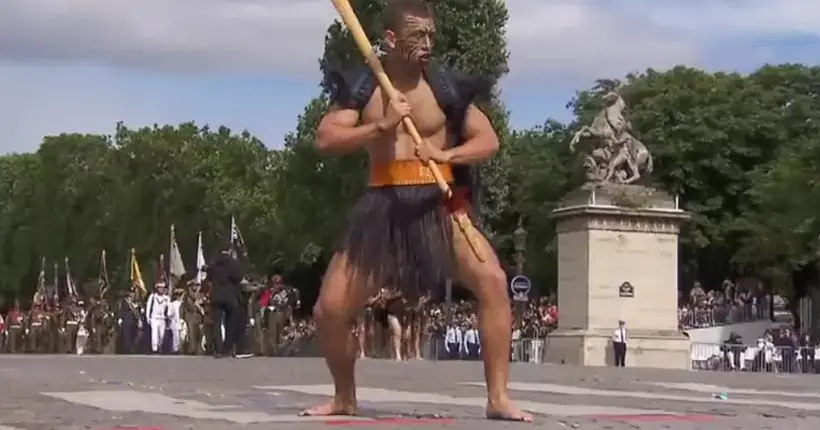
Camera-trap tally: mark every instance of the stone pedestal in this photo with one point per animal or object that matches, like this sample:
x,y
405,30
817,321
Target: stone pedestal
x,y
618,260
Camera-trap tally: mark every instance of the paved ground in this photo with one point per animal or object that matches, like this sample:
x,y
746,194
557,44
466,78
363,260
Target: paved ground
x,y
190,393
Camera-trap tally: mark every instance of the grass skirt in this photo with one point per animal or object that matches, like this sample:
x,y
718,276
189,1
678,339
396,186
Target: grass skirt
x,y
400,237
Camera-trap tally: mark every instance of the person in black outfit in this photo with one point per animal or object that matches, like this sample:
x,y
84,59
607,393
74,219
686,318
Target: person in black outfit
x,y
733,344
224,275
130,321
807,354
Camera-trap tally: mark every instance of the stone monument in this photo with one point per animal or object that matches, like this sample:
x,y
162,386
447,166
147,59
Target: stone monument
x,y
617,252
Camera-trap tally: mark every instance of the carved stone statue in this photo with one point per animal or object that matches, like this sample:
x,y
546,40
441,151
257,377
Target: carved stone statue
x,y
611,154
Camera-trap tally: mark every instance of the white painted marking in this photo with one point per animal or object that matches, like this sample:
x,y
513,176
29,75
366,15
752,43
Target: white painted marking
x,y
380,395
715,389
136,401
568,390
2,427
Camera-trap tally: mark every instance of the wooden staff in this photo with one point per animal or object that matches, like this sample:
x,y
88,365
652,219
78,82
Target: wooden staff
x,y
363,43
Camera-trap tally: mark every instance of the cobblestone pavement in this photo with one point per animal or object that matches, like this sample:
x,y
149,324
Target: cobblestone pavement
x,y
198,393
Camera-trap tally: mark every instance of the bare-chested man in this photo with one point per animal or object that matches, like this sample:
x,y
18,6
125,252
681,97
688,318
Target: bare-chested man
x,y
400,233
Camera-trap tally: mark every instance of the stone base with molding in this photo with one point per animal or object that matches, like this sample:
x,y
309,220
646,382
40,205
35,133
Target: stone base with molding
x,y
645,349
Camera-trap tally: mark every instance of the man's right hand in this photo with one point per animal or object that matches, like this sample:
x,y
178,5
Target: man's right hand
x,y
396,111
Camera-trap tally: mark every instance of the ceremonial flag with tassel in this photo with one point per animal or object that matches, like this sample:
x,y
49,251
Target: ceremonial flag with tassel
x,y
102,279
176,268
40,291
161,280
70,286
237,242
136,277
56,293
200,261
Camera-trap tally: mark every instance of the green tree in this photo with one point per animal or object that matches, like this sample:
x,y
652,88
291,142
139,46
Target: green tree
x,y
79,194
540,172
781,231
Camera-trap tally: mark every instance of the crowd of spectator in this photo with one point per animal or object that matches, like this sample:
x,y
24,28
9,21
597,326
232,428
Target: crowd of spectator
x,y
728,305
699,308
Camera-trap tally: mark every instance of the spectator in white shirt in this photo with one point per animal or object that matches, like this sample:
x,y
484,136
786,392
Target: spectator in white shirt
x,y
472,343
453,340
619,342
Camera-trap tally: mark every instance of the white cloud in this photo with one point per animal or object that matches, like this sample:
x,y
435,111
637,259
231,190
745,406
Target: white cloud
x,y
554,40
567,37
180,35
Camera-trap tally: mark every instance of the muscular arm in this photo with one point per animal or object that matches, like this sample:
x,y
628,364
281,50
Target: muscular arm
x,y
339,133
480,140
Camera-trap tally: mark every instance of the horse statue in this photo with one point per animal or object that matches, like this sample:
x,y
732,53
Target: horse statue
x,y
612,154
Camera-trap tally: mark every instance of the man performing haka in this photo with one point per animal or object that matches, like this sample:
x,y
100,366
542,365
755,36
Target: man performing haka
x,y
401,231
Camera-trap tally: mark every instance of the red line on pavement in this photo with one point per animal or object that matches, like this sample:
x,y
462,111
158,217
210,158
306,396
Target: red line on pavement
x,y
134,428
390,421
657,418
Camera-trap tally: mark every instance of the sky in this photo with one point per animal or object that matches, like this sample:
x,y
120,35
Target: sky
x,y
84,65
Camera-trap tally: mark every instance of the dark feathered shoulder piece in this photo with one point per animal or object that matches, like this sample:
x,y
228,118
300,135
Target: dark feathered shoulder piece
x,y
350,88
459,89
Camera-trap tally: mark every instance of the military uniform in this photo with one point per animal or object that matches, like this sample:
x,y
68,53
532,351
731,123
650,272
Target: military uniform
x,y
37,331
108,323
208,329
276,315
71,319
193,314
15,322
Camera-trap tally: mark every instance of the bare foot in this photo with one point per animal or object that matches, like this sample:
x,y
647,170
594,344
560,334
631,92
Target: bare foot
x,y
331,408
506,411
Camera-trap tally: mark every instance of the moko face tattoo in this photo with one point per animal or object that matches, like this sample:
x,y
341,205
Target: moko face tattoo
x,y
416,37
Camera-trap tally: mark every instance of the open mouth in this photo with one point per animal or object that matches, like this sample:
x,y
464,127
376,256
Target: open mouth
x,y
424,57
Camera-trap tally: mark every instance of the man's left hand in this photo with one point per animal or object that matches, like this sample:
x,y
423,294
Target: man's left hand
x,y
427,152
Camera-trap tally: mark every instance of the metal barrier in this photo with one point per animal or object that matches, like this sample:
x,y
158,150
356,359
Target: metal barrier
x,y
701,318
521,351
755,358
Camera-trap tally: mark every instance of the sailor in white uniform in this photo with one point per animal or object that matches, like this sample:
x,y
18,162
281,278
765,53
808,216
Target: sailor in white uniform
x,y
156,314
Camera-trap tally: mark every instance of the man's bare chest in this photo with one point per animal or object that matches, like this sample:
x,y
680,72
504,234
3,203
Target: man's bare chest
x,y
426,113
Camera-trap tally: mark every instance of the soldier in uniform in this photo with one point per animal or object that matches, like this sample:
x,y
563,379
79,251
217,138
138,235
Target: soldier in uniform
x,y
81,317
129,321
96,327
193,313
109,322
36,332
71,317
14,324
277,315
208,325
51,328
2,333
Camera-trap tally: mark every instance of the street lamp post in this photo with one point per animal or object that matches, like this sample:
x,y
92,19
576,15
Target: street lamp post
x,y
520,246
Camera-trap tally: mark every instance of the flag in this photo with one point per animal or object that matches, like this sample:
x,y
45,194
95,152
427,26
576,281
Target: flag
x,y
161,280
176,268
40,291
200,262
70,286
56,293
102,279
237,243
136,277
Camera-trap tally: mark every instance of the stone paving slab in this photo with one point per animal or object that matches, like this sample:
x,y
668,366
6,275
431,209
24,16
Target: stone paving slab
x,y
200,393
